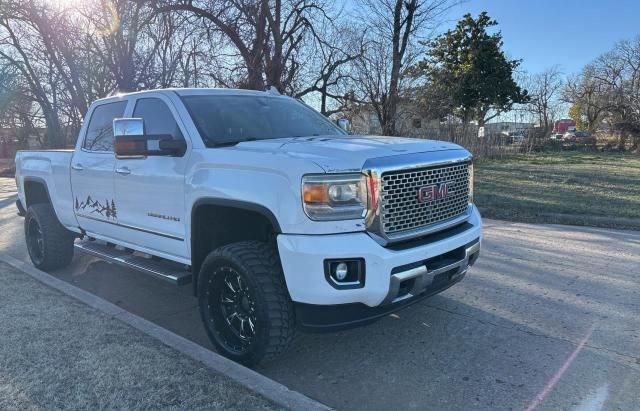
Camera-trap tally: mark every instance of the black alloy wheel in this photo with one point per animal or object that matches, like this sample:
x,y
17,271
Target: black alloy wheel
x,y
232,306
244,302
49,243
35,240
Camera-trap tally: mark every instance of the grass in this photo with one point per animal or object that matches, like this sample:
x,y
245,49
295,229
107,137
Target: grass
x,y
569,187
58,353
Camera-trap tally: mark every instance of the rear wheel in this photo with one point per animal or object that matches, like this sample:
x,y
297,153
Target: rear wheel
x,y
244,302
50,245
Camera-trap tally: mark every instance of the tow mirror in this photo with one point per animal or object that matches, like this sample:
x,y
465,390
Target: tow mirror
x,y
130,141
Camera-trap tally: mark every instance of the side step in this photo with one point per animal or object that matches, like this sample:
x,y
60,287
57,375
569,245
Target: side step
x,y
164,269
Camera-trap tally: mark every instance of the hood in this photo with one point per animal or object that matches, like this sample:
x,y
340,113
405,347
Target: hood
x,y
344,153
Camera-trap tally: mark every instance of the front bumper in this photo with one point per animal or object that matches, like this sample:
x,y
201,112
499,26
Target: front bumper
x,y
425,283
393,274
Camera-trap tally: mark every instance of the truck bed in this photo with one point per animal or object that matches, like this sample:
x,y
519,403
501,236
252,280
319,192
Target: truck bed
x,y
51,167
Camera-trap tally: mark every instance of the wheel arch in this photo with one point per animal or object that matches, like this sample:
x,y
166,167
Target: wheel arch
x,y
217,221
35,191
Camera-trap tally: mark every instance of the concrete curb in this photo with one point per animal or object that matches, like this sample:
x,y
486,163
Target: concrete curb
x,y
246,377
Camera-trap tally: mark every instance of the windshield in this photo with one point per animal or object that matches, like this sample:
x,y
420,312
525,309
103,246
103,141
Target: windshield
x,y
230,119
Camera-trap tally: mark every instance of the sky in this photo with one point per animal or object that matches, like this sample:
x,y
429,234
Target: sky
x,y
569,33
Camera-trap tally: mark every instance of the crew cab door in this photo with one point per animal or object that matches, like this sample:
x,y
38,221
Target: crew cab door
x,y
149,190
92,169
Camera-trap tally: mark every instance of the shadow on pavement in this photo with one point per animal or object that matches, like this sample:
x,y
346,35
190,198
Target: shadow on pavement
x,y
485,343
11,200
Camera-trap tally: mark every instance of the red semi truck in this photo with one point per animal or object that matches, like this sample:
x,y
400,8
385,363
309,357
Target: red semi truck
x,y
562,126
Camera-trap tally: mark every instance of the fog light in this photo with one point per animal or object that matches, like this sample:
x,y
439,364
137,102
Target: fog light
x,y
345,273
341,271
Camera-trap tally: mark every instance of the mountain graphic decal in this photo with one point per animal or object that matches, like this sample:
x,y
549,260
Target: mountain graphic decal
x,y
106,209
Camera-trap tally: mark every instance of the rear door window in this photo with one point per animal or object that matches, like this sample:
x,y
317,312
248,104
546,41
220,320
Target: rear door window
x,y
100,130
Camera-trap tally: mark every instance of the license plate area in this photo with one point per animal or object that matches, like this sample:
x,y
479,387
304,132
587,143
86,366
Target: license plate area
x,y
431,274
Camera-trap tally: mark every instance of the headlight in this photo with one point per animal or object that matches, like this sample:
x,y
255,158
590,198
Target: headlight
x,y
471,178
335,196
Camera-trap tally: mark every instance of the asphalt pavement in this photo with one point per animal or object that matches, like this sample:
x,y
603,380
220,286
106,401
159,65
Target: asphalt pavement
x,y
549,318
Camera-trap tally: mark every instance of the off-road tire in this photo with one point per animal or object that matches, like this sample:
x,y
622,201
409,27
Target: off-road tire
x,y
57,242
259,267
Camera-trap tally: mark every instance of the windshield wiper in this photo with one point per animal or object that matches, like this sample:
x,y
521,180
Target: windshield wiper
x,y
234,142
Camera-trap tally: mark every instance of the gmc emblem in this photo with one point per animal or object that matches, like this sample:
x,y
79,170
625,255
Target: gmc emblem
x,y
428,194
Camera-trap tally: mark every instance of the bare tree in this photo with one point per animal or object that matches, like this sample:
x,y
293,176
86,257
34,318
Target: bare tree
x,y
15,105
266,34
585,91
69,55
545,90
329,70
21,46
618,73
393,27
608,91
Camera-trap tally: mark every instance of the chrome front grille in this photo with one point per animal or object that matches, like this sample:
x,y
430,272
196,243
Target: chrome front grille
x,y
401,209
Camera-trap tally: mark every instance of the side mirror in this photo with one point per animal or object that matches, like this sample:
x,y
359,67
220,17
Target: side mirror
x,y
344,124
131,141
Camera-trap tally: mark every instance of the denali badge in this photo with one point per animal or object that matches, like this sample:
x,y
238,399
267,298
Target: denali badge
x,y
427,194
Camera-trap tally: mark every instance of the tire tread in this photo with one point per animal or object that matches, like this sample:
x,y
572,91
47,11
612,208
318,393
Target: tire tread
x,y
262,261
58,241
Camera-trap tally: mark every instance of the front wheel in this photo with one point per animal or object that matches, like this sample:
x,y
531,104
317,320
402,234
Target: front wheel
x,y
50,245
244,302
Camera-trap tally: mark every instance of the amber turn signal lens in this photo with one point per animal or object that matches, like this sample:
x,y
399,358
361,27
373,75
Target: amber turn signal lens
x,y
316,194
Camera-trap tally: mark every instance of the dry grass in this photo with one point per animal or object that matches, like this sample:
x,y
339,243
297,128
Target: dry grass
x,y
58,353
562,187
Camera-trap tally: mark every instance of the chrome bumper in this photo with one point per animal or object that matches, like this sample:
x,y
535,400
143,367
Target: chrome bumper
x,y
424,275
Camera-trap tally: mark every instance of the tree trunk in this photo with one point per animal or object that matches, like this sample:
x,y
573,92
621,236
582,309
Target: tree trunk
x,y
391,110
323,99
54,137
254,78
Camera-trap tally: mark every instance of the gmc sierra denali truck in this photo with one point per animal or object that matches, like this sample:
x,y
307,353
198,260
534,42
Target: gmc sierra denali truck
x,y
279,218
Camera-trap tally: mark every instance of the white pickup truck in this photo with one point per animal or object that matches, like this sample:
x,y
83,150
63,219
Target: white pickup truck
x,y
279,218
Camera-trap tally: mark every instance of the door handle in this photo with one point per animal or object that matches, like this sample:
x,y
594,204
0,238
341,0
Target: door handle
x,y
123,171
77,166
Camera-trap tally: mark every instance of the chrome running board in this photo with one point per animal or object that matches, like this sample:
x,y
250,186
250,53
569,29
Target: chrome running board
x,y
170,271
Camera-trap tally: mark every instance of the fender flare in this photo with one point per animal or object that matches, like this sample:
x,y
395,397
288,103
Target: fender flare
x,y
224,202
38,180
243,205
